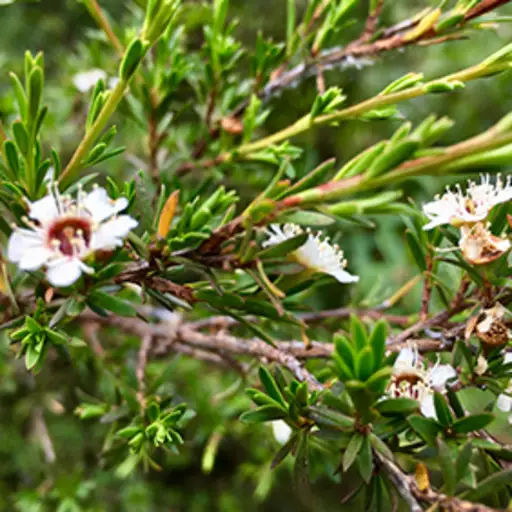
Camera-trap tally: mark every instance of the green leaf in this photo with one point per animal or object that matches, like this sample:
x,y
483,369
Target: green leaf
x,y
379,445
300,469
111,303
21,97
285,450
352,450
270,386
447,467
329,418
472,423
346,351
12,157
416,250
463,460
364,364
489,485
20,136
378,381
378,343
32,357
262,414
131,60
455,404
358,333
426,428
443,413
397,406
364,460
306,218
35,92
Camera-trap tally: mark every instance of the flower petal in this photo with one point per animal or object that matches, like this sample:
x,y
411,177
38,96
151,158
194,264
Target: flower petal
x,y
281,431
101,207
64,271
504,403
44,210
343,276
406,358
110,233
427,407
86,80
35,258
22,241
440,374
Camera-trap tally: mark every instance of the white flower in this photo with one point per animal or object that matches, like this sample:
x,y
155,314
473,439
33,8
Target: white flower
x,y
410,379
281,431
316,253
439,375
480,246
458,209
86,80
63,232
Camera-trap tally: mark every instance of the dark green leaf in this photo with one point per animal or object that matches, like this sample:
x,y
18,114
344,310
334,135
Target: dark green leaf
x,y
443,413
378,343
285,450
397,406
262,414
111,303
426,428
472,423
270,386
364,460
489,485
447,467
352,450
416,250
463,460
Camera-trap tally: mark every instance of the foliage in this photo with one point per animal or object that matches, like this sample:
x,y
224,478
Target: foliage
x,y
168,191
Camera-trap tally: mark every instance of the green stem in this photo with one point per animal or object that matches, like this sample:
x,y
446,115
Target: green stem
x,y
102,21
437,165
92,135
305,123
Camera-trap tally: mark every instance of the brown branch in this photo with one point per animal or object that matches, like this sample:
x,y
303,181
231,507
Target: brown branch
x,y
427,290
372,22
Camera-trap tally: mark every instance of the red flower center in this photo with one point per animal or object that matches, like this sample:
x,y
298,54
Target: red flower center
x,y
70,232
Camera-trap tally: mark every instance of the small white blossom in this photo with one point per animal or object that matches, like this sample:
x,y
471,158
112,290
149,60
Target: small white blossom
x,y
281,431
317,253
457,208
62,232
410,379
86,80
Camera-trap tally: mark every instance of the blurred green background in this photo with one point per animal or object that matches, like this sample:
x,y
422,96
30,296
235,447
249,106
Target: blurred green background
x,y
240,478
